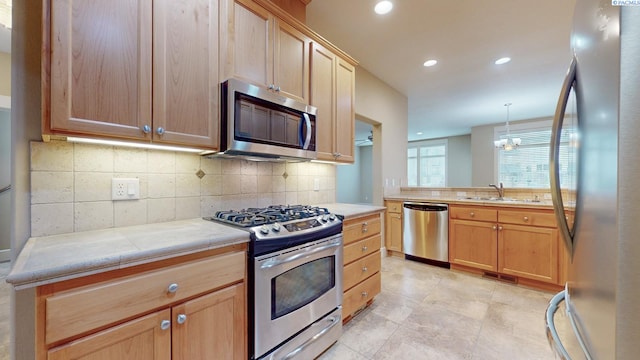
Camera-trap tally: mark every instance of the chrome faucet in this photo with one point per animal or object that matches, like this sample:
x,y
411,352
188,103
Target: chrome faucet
x,y
499,189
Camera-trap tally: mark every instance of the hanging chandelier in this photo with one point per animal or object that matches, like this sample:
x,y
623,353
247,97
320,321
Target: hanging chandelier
x,y
508,143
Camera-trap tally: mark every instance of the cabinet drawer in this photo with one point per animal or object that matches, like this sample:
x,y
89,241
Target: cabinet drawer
x,y
361,269
358,295
360,228
394,206
79,310
473,213
534,218
361,248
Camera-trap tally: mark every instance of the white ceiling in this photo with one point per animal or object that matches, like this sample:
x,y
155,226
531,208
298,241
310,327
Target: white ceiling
x,y
465,88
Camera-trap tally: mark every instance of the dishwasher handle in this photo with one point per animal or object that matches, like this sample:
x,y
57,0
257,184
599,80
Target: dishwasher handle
x,y
425,206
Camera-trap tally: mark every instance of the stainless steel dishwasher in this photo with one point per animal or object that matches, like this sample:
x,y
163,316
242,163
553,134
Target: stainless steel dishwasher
x,y
426,231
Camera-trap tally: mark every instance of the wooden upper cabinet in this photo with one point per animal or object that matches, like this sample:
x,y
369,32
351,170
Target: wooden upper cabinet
x,y
333,93
100,67
186,95
263,50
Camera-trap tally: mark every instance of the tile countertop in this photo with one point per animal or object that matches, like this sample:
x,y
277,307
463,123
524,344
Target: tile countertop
x,y
352,210
50,259
545,204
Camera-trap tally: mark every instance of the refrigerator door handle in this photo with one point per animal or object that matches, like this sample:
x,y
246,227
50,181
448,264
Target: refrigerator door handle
x,y
554,155
552,333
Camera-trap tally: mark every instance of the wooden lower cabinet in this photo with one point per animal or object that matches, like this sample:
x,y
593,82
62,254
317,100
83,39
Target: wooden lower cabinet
x,y
140,339
362,263
521,244
528,252
473,243
186,316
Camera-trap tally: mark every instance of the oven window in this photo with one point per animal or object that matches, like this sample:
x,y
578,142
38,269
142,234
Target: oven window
x,y
301,285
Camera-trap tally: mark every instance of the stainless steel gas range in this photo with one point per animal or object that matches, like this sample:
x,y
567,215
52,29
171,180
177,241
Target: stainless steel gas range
x,y
295,279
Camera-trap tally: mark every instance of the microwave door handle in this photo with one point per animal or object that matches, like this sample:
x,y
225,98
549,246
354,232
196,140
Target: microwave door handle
x,y
307,140
554,156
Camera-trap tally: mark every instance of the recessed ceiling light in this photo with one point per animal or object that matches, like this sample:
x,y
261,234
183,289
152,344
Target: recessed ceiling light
x,y
419,133
503,60
430,62
383,7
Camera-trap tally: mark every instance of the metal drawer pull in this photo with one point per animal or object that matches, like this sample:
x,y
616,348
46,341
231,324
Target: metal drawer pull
x,y
472,214
364,229
182,318
274,261
526,218
365,224
364,248
364,269
365,294
165,324
172,288
333,321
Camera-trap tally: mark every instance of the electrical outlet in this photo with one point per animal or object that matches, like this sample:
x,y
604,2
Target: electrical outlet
x,y
316,184
125,189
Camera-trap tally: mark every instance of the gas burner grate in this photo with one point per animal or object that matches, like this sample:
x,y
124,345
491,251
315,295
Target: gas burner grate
x,y
260,216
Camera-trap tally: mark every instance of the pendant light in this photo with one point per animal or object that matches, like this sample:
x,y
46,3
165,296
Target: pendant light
x,y
509,143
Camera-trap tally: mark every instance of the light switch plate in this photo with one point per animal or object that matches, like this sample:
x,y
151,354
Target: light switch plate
x,y
125,189
316,184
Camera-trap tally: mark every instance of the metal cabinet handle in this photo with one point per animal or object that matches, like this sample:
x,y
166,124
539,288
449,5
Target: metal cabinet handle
x,y
160,130
365,223
499,227
494,227
364,269
165,324
472,214
365,294
277,88
271,86
182,318
364,248
146,129
526,218
172,288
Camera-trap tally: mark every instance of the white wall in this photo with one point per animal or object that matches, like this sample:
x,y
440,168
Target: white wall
x,y
459,161
380,103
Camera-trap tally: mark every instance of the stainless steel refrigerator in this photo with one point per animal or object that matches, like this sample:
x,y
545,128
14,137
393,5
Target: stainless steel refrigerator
x,y
602,295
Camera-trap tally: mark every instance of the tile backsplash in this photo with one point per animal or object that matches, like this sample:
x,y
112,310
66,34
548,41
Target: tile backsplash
x,y
71,186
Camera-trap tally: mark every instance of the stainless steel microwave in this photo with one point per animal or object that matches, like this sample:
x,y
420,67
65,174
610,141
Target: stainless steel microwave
x,y
259,122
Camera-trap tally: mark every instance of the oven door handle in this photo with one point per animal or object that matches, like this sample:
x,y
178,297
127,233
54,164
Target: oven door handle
x,y
334,320
275,262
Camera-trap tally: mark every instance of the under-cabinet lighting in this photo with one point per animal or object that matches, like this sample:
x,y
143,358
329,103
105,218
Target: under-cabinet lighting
x,y
138,145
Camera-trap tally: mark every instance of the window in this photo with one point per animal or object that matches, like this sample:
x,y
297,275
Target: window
x,y
528,166
426,163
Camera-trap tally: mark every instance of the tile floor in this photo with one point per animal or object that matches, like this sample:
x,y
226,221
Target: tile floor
x,y
425,312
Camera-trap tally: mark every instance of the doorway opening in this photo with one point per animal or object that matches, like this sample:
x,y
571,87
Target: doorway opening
x,y
354,182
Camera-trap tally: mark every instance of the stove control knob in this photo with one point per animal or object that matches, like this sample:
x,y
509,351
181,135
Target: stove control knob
x,y
264,229
332,217
275,227
325,218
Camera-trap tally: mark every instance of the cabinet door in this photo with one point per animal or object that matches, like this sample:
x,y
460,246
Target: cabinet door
x,y
394,232
185,73
214,326
474,244
345,111
323,98
140,339
291,62
247,42
101,67
528,252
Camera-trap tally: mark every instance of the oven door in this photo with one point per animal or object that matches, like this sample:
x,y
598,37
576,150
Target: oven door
x,y
294,288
